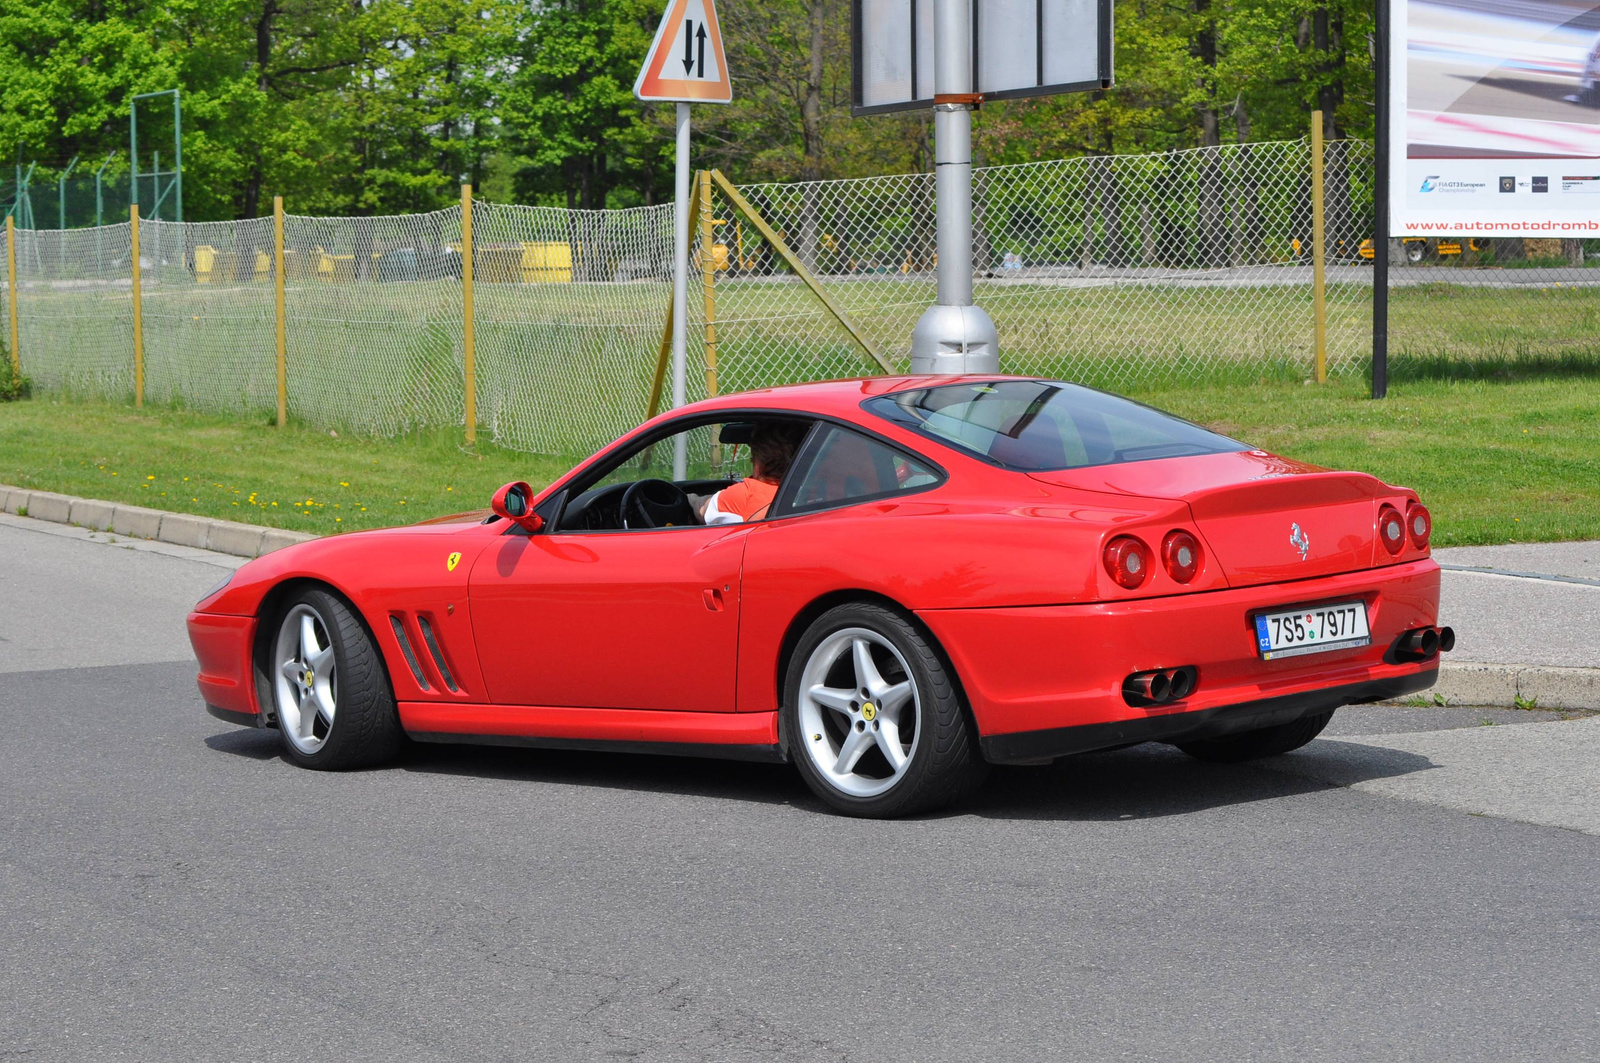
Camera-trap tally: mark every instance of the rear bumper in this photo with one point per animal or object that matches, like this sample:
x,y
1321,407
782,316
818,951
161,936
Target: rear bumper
x,y
1047,668
223,646
1188,726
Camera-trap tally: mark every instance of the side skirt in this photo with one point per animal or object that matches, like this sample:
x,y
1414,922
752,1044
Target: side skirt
x,y
726,735
764,754
1188,726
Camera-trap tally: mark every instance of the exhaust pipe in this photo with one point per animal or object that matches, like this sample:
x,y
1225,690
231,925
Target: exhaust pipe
x,y
1143,689
1420,644
1447,639
1151,687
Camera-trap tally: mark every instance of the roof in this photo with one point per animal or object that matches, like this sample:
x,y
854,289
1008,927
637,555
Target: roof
x,y
830,396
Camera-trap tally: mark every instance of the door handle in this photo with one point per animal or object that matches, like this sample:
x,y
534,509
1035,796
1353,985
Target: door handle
x,y
713,599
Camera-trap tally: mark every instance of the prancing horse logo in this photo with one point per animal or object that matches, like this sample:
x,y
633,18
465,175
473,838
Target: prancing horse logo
x,y
1299,540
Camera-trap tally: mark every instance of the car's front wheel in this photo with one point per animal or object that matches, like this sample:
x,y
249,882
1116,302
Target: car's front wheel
x,y
873,718
330,691
1262,742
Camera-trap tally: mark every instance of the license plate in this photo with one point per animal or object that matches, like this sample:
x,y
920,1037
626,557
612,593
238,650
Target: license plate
x,y
1318,629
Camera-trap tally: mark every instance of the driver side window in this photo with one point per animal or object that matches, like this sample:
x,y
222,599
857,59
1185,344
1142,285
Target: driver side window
x,y
706,457
690,468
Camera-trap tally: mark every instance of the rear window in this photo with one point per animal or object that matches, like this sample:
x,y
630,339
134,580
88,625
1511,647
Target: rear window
x,y
1036,425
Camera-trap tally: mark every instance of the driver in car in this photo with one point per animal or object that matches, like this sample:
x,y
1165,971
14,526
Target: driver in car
x,y
772,449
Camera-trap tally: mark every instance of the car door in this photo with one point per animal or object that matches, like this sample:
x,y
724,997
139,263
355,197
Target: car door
x,y
644,619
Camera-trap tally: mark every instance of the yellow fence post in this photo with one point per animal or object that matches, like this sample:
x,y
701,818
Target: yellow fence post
x,y
469,352
1319,303
771,236
138,310
277,298
708,281
663,355
11,291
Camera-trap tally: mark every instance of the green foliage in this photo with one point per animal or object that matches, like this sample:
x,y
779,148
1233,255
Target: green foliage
x,y
384,106
13,385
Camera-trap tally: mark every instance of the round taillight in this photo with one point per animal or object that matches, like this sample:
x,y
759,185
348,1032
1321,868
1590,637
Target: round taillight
x,y
1128,561
1180,553
1391,529
1419,525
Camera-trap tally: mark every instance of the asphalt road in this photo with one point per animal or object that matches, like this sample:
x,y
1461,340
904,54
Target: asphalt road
x,y
172,888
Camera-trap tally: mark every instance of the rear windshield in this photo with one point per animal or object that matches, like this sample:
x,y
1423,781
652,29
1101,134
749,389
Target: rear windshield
x,y
1035,425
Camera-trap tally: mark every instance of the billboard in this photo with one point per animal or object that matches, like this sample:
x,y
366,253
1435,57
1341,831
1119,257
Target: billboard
x,y
1019,48
1494,118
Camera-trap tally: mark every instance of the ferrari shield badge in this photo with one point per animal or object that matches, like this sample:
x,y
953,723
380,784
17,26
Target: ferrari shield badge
x,y
452,561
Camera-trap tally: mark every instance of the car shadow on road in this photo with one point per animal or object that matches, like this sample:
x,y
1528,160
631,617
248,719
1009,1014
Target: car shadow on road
x,y
1140,782
1152,781
251,743
730,780
708,777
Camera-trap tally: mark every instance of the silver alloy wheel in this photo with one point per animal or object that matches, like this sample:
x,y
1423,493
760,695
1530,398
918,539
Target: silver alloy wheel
x,y
860,728
304,683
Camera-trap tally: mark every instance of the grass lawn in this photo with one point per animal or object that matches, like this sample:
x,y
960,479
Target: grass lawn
x,y
300,478
1496,460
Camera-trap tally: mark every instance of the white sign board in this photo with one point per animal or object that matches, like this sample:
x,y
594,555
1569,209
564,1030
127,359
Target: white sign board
x,y
1494,118
1020,48
686,63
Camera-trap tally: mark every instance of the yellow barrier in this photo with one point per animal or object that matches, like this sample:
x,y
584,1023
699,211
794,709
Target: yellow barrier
x,y
546,262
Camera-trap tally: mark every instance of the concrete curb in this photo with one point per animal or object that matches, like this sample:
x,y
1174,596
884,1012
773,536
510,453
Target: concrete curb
x,y
1508,685
137,522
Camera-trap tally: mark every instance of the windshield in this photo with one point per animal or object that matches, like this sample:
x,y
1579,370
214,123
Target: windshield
x,y
1036,425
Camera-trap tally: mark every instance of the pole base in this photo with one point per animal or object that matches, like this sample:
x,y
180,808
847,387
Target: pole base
x,y
954,339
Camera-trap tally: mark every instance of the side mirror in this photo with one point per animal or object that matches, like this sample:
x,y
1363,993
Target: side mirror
x,y
511,502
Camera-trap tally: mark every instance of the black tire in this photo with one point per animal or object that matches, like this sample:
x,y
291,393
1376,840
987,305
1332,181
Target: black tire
x,y
944,765
1262,742
366,724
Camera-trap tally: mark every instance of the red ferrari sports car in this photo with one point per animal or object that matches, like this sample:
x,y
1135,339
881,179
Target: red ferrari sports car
x,y
889,582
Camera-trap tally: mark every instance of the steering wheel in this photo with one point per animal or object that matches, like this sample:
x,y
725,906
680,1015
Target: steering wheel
x,y
655,504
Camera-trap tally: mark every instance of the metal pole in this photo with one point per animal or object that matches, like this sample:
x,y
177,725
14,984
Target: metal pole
x,y
1380,235
99,190
680,290
283,331
11,291
133,152
138,315
177,153
469,349
954,336
1319,306
61,193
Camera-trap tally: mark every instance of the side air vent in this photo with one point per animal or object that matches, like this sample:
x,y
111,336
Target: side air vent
x,y
411,657
438,658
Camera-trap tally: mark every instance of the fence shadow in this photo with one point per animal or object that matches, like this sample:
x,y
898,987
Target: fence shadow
x,y
1417,368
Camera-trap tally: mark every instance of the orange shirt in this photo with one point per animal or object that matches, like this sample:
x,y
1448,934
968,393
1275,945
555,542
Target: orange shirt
x,y
746,500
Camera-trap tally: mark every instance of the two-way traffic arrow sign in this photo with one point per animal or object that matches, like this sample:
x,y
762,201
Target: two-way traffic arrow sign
x,y
690,37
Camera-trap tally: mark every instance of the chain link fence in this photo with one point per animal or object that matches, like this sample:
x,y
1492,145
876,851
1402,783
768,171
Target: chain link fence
x,y
1130,272
1123,271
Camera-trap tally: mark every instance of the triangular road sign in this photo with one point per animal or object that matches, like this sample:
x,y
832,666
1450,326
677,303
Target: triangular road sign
x,y
686,61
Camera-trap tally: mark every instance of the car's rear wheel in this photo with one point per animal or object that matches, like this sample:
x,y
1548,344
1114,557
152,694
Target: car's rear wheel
x,y
873,718
334,705
1262,742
